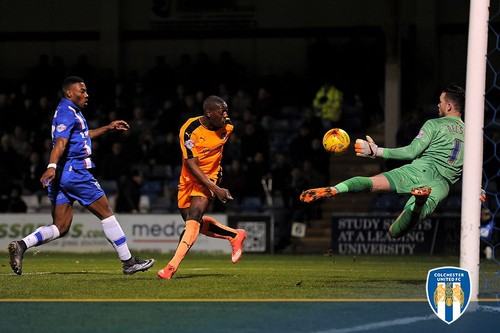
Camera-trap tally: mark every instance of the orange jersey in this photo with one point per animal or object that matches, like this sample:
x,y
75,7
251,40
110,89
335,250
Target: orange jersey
x,y
198,141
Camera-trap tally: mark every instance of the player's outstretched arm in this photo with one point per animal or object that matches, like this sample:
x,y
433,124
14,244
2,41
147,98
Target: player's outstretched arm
x,y
116,125
314,194
367,148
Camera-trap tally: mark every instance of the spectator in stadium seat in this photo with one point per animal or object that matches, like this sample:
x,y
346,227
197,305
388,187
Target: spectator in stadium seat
x,y
13,203
295,210
10,160
167,152
116,164
140,122
232,149
311,121
253,140
201,140
129,193
168,117
318,157
240,101
437,154
280,173
314,178
256,170
300,144
33,170
68,179
235,179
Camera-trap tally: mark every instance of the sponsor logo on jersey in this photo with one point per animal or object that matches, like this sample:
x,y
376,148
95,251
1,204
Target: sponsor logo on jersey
x,y
189,144
448,292
420,134
60,127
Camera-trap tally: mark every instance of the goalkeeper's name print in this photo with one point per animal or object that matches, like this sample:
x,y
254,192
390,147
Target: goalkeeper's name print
x,y
455,129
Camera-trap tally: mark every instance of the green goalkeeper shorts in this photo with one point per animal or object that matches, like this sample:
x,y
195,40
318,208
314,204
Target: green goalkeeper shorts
x,y
407,177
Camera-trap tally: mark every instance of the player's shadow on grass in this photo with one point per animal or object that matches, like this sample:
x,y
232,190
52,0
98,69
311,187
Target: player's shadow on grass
x,y
77,273
194,276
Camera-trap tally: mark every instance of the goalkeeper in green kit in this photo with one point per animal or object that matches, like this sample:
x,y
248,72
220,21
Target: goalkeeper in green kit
x,y
437,154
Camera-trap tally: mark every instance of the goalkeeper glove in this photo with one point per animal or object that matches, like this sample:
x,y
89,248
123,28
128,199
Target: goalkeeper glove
x,y
367,148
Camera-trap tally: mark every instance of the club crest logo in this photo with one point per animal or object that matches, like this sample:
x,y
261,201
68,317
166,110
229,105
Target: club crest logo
x,y
448,292
189,144
60,127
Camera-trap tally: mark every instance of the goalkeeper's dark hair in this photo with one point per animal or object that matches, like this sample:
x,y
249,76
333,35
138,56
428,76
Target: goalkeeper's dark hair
x,y
455,94
69,81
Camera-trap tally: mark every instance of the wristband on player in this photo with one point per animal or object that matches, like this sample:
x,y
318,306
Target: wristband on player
x,y
52,165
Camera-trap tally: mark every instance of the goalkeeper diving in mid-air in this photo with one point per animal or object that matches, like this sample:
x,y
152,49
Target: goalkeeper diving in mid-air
x,y
437,154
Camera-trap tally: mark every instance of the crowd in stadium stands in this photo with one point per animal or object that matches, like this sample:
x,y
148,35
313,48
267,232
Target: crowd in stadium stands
x,y
277,133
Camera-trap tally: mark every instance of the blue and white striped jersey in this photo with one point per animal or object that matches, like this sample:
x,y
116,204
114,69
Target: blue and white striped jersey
x,y
69,123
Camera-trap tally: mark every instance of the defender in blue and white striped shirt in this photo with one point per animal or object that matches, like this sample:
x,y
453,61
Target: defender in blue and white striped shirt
x,y
68,180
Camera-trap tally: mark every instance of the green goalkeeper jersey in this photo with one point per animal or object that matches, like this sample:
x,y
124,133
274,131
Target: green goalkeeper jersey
x,y
438,145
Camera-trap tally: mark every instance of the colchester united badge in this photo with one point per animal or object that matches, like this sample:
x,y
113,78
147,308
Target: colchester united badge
x,y
448,292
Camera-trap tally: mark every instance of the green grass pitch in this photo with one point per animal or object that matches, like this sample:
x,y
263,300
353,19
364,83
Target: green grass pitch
x,y
55,276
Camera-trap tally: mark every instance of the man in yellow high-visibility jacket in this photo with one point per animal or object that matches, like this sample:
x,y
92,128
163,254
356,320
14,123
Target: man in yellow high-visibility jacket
x,y
328,102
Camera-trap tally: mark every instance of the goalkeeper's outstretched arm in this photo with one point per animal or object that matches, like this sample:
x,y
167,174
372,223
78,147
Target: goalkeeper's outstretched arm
x,y
368,148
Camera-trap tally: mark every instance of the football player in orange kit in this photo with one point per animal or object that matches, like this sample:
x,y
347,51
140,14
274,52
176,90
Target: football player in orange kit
x,y
202,140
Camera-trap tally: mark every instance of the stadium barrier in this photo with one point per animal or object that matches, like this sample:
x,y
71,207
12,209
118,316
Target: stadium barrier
x,y
145,232
365,233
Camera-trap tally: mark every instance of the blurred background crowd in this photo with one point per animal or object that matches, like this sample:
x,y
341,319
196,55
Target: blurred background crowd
x,y
291,73
278,131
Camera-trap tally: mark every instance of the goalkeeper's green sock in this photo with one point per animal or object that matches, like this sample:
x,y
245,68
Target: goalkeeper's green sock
x,y
413,213
355,185
406,221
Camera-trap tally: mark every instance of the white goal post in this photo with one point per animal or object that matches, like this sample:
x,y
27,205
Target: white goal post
x,y
473,147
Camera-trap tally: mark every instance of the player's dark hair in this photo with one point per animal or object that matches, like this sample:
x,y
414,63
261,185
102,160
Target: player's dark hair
x,y
70,80
212,102
455,94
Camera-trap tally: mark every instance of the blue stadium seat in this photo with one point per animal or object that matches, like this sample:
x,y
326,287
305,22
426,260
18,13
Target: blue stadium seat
x,y
387,203
452,204
110,187
161,205
251,205
143,168
153,189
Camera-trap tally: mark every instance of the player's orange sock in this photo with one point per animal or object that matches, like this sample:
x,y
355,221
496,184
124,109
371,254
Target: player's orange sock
x,y
191,232
212,228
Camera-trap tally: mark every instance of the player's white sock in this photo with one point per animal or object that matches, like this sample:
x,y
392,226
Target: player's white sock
x,y
115,235
41,236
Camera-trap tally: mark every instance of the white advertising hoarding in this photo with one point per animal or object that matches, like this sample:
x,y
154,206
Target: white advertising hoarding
x,y
151,232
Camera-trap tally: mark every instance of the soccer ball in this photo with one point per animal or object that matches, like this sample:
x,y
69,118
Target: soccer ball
x,y
336,141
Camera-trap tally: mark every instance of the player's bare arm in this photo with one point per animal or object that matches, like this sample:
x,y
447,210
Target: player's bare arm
x,y
221,193
55,155
117,125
